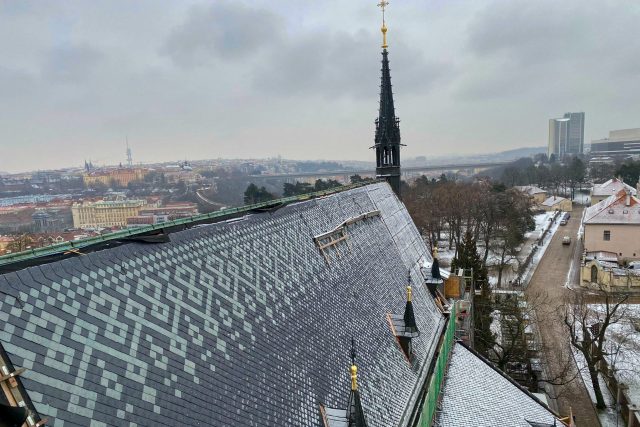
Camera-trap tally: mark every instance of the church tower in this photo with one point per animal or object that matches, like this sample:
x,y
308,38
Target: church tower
x,y
387,139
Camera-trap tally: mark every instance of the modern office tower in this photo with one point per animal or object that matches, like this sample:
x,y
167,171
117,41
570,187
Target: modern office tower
x,y
558,135
575,137
566,135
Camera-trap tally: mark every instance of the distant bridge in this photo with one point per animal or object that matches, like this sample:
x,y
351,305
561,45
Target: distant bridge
x,y
406,171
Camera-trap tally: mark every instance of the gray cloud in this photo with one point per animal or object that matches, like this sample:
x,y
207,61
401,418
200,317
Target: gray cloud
x,y
550,52
71,64
240,78
227,30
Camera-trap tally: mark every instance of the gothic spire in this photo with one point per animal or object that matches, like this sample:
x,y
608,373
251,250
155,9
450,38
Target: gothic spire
x,y
387,139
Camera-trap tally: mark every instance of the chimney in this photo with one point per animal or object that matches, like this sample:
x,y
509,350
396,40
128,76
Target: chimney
x,y
627,199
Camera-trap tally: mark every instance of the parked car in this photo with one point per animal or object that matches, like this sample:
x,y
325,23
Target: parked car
x,y
566,240
563,222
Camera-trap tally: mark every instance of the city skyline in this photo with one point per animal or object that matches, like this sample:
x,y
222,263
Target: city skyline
x,y
181,80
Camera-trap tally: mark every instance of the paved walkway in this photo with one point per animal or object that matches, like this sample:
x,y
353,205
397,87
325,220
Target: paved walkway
x,y
558,266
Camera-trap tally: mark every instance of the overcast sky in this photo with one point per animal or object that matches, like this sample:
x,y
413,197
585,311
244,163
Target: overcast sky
x,y
299,78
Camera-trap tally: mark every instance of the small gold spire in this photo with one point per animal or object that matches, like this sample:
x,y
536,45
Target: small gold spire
x,y
354,377
383,4
435,252
409,293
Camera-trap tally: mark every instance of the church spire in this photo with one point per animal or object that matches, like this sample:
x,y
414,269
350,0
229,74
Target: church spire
x,y
387,139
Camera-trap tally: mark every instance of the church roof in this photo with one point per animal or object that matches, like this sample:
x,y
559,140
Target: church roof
x,y
244,322
475,393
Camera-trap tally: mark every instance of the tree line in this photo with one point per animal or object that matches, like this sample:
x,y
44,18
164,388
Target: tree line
x,y
556,176
495,216
254,194
476,219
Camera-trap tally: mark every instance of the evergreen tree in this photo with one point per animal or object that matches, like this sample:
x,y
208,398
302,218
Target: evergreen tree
x,y
253,194
470,260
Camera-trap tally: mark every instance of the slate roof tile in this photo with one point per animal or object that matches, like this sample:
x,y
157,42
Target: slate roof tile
x,y
236,323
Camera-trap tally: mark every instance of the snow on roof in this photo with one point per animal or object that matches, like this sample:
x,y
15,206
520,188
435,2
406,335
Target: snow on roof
x,y
444,273
529,189
553,200
602,256
477,394
614,210
613,186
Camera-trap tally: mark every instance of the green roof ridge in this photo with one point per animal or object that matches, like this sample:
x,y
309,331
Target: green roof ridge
x,y
74,245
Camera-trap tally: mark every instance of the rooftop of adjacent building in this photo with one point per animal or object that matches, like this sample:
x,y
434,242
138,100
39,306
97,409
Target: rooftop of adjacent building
x,y
621,135
620,208
529,189
478,394
553,200
611,187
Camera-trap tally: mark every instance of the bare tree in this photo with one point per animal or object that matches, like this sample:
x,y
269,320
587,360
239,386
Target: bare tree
x,y
587,328
513,220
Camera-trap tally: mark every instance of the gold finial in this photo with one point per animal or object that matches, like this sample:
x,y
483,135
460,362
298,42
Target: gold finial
x,y
409,293
435,252
354,368
383,4
354,377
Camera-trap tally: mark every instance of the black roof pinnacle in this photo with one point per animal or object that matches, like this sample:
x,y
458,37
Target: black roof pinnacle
x,y
355,413
409,316
387,130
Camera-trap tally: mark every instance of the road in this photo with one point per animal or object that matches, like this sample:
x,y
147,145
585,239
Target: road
x,y
559,266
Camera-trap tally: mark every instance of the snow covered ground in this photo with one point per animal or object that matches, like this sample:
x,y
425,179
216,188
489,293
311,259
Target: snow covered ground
x,y
623,339
582,198
542,222
544,218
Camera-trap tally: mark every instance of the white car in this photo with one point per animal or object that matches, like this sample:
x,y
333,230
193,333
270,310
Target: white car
x,y
566,240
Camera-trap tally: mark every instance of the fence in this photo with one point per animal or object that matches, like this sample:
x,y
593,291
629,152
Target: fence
x,y
435,383
523,274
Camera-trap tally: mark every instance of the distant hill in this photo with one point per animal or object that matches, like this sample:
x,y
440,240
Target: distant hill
x,y
502,156
521,152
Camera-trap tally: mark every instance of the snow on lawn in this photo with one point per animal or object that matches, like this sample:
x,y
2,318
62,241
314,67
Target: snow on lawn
x,y
582,198
625,337
608,416
622,339
542,222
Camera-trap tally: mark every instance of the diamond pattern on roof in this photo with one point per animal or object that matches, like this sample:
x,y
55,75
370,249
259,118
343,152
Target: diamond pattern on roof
x,y
237,323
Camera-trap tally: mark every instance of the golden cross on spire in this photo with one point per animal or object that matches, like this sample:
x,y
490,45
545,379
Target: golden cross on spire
x,y
383,5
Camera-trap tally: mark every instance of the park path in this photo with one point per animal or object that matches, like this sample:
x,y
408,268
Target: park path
x,y
558,266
